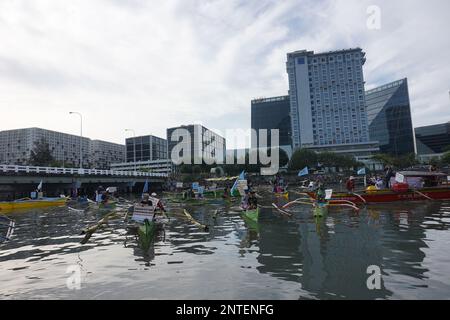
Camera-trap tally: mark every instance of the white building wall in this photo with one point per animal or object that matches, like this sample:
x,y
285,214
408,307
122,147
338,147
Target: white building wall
x,y
16,146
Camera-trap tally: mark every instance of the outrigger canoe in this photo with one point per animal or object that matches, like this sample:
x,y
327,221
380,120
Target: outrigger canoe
x,y
251,214
146,233
406,190
320,209
32,203
384,196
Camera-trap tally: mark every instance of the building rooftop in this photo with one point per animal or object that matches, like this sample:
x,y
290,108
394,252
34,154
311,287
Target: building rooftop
x,y
387,86
272,99
306,52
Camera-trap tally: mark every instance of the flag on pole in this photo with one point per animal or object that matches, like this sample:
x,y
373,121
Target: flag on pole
x,y
39,187
145,190
303,172
234,192
362,171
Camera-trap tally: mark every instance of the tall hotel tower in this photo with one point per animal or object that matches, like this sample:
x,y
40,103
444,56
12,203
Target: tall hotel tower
x,y
327,102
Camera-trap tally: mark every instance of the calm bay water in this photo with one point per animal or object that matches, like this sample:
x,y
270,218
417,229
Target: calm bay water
x,y
279,258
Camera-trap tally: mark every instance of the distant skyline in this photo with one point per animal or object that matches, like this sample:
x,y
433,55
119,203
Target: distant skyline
x,y
149,65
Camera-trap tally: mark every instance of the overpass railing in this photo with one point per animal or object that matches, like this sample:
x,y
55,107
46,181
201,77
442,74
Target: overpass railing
x,y
76,171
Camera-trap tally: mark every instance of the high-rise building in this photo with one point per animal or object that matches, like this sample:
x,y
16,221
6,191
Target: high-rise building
x,y
328,110
272,113
16,146
147,148
389,118
103,154
432,141
200,142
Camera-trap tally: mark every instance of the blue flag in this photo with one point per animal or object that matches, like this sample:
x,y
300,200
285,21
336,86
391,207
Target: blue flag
x,y
234,188
362,171
303,172
145,190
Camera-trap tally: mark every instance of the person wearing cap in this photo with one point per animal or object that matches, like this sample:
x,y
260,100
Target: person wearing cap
x,y
350,184
146,200
158,204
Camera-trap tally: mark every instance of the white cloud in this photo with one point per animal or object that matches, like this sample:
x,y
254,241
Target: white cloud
x,y
151,65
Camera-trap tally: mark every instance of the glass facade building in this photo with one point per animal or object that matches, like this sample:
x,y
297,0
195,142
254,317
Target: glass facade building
x,y
272,113
389,118
147,148
203,144
433,139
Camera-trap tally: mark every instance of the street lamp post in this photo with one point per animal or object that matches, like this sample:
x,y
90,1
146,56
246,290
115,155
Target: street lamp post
x,y
134,147
81,137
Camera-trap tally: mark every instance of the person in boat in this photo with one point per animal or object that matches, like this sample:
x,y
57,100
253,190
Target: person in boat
x,y
105,197
389,173
159,204
226,193
245,199
146,200
350,184
433,168
252,201
320,194
379,183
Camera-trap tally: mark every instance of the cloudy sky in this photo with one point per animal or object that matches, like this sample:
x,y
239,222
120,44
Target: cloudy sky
x,y
149,65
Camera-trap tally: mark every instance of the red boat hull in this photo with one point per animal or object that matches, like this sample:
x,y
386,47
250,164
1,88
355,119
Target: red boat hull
x,y
383,196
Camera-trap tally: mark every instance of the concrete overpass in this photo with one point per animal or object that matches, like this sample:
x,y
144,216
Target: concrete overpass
x,y
18,181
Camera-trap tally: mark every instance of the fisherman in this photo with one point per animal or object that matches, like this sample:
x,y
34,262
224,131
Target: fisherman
x,y
105,197
98,194
389,173
159,204
146,200
379,183
245,199
252,201
226,193
350,184
320,194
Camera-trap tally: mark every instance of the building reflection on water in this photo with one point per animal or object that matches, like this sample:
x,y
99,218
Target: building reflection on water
x,y
329,257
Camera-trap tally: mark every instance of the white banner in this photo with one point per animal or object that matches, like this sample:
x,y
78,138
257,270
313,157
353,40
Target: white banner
x,y
328,194
399,178
241,185
142,212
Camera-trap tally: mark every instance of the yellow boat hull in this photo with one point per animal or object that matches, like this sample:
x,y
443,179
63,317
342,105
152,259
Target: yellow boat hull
x,y
282,195
31,204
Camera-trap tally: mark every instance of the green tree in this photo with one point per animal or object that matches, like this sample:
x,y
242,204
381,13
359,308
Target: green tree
x,y
446,158
385,159
284,158
41,154
302,158
405,161
446,148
